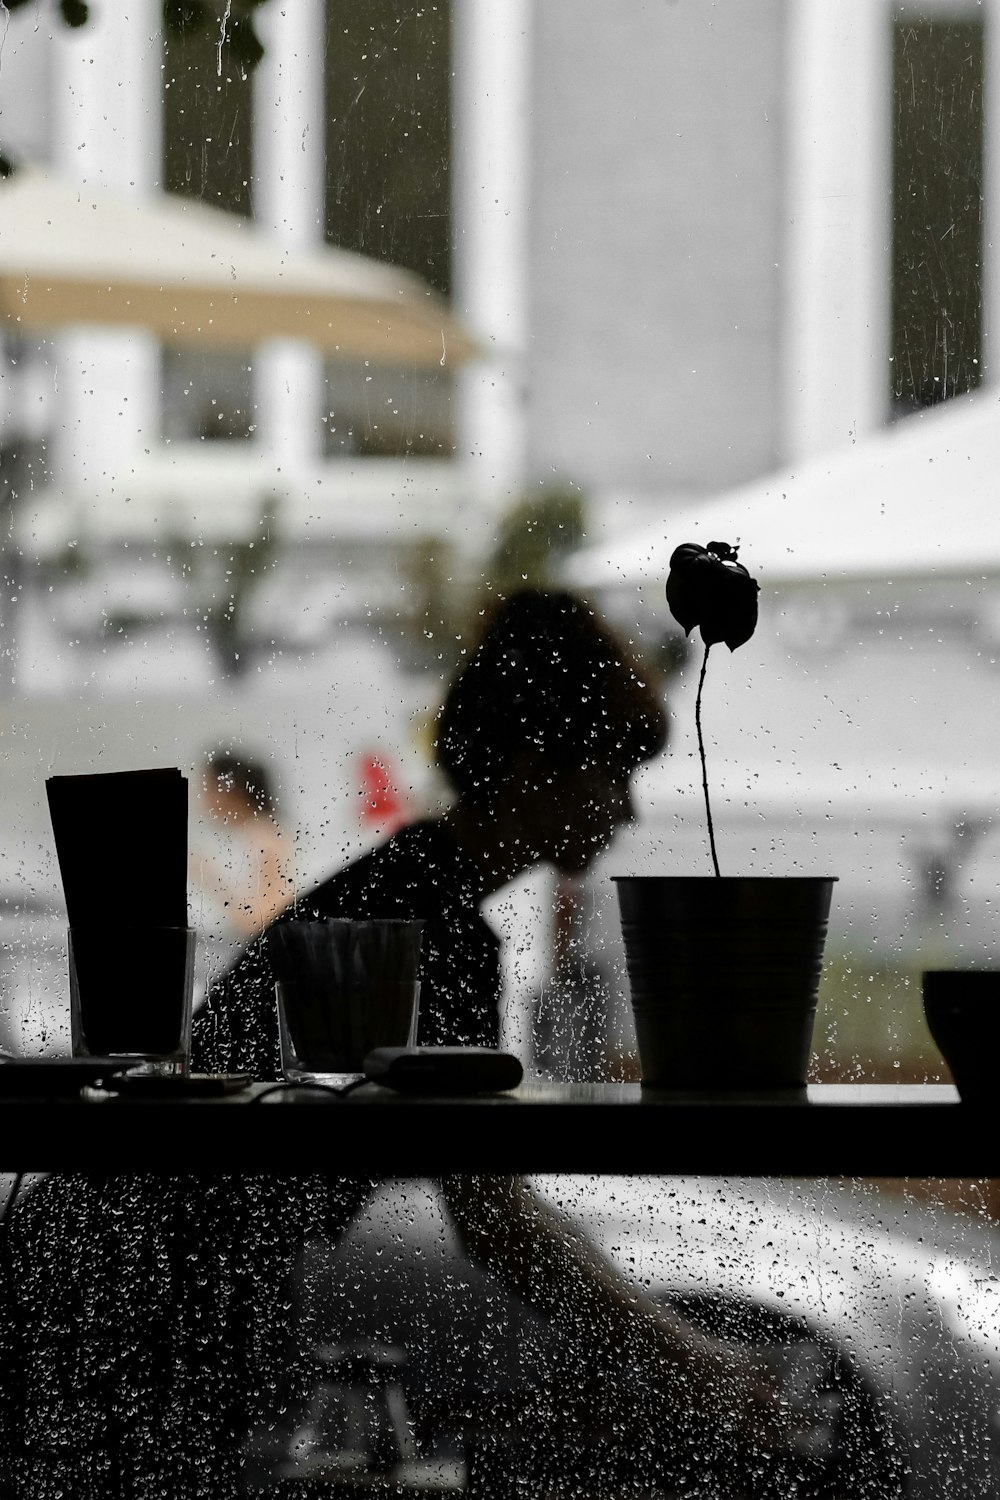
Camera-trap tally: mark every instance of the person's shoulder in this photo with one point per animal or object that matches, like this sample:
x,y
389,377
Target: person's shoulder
x,y
395,872
368,869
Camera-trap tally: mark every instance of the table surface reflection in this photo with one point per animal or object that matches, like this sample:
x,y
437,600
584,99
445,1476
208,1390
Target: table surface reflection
x,y
852,1130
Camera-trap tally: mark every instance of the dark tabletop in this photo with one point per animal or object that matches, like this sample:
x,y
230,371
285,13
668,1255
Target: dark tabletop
x,y
852,1130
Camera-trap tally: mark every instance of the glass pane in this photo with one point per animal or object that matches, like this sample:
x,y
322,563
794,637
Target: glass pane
x,y
329,333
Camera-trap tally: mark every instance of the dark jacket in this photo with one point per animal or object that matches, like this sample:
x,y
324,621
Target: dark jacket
x,y
421,872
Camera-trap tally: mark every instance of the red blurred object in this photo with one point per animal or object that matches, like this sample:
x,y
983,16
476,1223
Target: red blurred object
x,y
382,805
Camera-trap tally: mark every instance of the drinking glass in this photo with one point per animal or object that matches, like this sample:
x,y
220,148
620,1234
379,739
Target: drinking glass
x,y
131,991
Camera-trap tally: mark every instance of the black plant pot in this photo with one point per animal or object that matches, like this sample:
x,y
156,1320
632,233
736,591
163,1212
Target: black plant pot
x,y
724,977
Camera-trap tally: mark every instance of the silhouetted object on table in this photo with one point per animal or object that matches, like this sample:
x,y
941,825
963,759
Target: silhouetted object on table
x,y
121,844
372,968
709,589
962,1011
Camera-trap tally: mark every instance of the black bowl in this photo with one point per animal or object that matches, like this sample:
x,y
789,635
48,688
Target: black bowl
x,y
962,1010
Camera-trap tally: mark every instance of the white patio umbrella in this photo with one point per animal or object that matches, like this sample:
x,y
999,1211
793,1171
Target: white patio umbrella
x,y
920,499
196,275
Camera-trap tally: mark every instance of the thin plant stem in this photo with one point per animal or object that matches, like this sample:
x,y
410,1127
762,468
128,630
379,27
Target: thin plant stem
x,y
704,767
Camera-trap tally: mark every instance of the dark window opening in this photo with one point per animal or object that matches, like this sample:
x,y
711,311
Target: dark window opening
x,y
388,133
380,411
207,121
207,397
388,195
937,145
207,146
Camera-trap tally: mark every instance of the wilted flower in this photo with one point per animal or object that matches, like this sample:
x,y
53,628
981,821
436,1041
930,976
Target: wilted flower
x,y
707,587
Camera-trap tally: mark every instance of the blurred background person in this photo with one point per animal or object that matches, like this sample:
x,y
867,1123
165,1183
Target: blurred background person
x,y
253,878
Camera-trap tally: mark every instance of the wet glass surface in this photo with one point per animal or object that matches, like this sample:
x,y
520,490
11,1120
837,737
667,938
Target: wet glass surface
x,y
521,295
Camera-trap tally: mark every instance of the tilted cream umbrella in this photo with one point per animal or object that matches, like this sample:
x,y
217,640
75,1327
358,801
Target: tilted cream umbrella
x,y
916,500
198,276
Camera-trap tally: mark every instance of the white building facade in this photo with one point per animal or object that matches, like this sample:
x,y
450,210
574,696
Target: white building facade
x,y
676,249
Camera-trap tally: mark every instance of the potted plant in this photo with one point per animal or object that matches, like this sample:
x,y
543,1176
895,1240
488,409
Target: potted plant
x,y
723,970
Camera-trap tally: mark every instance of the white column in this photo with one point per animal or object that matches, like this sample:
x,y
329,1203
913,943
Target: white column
x,y
107,131
491,203
288,185
838,218
108,96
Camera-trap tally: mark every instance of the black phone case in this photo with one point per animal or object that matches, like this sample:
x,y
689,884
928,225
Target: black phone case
x,y
443,1070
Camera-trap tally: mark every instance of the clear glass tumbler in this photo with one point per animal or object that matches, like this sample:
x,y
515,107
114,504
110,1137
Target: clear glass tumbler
x,y
325,1037
131,991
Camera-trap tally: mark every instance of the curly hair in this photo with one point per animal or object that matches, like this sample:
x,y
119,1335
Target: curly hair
x,y
547,676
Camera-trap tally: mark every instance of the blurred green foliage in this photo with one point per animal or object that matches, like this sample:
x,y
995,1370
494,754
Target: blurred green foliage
x,y
533,540
447,598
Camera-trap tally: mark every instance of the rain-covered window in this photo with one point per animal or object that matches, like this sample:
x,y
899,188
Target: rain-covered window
x,y
328,328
